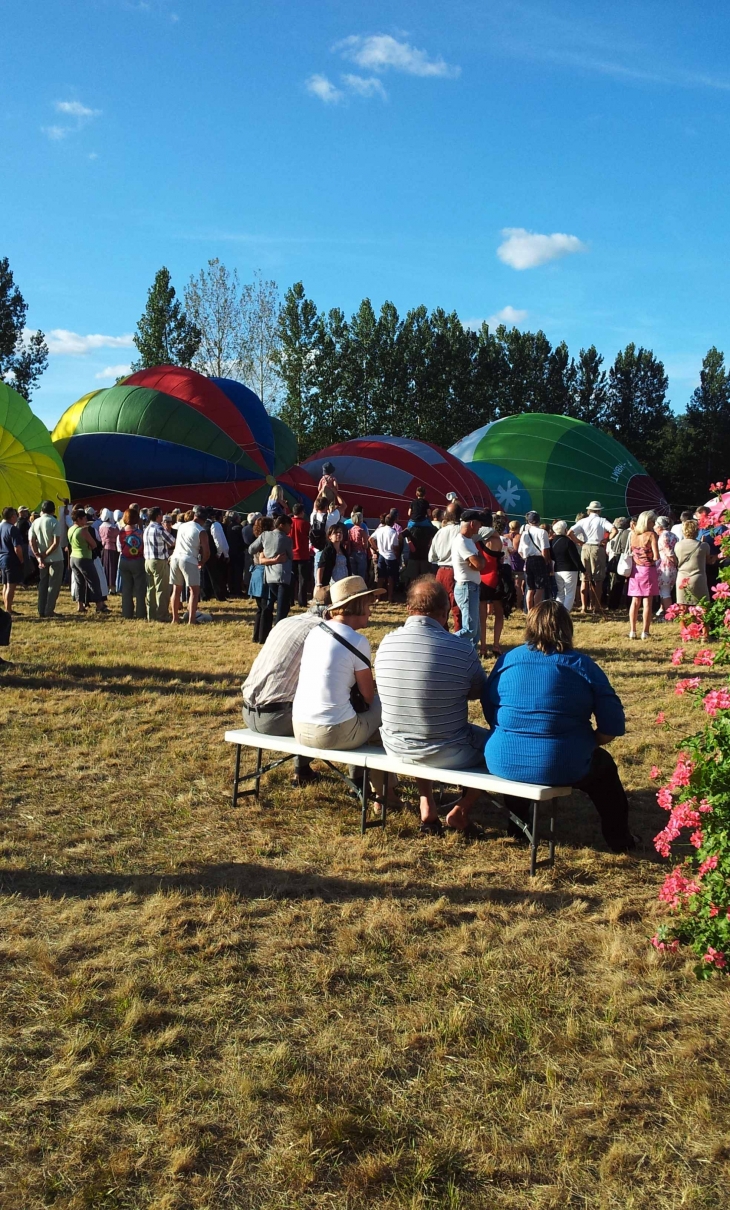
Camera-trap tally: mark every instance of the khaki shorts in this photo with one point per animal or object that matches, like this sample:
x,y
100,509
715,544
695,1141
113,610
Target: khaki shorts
x,y
185,571
594,563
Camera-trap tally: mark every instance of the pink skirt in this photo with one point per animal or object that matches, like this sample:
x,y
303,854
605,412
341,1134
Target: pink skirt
x,y
644,582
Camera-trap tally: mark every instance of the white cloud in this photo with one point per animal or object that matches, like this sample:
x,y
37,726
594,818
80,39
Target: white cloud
x,y
71,109
321,87
365,86
76,110
526,249
511,316
70,344
112,372
381,52
56,132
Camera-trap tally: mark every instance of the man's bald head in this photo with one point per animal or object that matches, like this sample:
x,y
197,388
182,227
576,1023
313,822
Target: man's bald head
x,y
429,598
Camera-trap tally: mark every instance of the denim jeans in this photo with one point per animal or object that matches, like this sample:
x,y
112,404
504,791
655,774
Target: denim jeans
x,y
466,596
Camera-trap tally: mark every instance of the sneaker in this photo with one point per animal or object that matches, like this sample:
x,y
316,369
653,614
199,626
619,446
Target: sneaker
x,y
632,634
644,634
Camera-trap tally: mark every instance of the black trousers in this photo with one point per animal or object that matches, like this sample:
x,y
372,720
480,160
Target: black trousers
x,y
217,569
603,786
301,581
278,595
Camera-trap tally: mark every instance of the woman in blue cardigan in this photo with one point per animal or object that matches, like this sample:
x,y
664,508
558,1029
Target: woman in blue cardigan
x,y
540,699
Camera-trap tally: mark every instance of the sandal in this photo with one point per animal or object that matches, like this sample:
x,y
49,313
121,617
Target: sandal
x,y
431,827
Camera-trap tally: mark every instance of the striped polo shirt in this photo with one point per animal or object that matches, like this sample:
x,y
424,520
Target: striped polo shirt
x,y
426,677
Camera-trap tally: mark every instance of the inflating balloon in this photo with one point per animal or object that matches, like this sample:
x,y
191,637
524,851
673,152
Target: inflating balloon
x,y
172,437
31,470
557,465
383,473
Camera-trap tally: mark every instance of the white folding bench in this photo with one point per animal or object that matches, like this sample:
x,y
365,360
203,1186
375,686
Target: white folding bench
x,y
374,758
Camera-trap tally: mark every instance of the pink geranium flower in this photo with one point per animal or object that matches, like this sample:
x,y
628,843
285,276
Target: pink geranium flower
x,y
668,947
721,591
714,957
704,658
716,699
677,887
664,798
681,687
710,863
660,719
678,656
655,772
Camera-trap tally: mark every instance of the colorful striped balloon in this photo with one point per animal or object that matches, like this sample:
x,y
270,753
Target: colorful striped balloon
x,y
30,468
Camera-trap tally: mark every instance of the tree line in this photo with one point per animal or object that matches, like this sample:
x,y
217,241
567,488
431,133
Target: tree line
x,y
425,374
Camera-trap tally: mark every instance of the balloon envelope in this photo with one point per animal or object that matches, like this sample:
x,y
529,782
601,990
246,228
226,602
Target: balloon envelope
x,y
383,473
170,436
557,466
31,470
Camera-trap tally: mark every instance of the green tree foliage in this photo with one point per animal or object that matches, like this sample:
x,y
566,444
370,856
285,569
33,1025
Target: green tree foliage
x,y
23,355
637,412
296,358
165,335
701,452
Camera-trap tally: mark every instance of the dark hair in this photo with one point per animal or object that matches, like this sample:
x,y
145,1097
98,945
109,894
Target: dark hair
x,y
687,515
486,516
283,522
298,510
79,511
154,513
48,506
385,518
420,492
338,527
549,628
427,595
9,513
392,515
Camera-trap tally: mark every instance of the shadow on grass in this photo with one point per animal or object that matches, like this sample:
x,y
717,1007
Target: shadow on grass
x,y
108,679
250,881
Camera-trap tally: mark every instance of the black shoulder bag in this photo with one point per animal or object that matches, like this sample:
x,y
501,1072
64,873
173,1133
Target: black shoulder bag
x,y
357,701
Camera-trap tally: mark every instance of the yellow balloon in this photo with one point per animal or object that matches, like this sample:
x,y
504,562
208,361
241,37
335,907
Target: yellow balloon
x,y
30,468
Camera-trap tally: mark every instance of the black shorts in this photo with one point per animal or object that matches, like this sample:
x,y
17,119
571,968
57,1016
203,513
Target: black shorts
x,y
486,593
537,572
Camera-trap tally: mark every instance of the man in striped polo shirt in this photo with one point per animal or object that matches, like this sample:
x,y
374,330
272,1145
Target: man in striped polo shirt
x,y
426,678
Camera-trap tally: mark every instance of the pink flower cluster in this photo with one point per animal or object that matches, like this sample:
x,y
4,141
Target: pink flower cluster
x,y
682,773
660,719
716,699
683,815
693,632
655,772
720,486
681,687
726,618
665,947
674,611
721,591
710,863
714,957
678,656
703,659
676,888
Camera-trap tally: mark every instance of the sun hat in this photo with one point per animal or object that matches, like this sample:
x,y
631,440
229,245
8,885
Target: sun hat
x,y
595,506
350,589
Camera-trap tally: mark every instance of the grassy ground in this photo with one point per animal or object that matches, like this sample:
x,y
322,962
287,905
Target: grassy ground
x,y
209,1008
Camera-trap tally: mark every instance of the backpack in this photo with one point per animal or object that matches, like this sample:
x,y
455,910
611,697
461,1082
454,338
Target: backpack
x,y
318,532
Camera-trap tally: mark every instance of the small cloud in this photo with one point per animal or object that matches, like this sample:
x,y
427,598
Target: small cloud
x,y
112,373
56,132
512,317
365,86
76,110
63,343
381,52
527,249
71,109
321,87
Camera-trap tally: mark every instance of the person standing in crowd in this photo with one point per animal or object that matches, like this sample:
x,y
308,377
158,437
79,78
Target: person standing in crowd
x,y
190,555
23,527
567,564
644,578
534,548
328,485
426,678
276,503
385,543
418,537
217,564
420,509
491,591
518,563
439,556
257,580
666,542
45,542
131,566
301,558
691,556
81,543
468,565
321,520
618,546
11,557
540,700
593,532
335,563
108,534
358,538
677,529
236,554
269,689
158,546
707,533
274,550
248,536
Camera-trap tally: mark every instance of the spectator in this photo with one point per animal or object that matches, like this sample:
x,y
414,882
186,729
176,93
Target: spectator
x,y
518,563
108,534
257,581
386,543
358,538
269,689
217,565
426,678
439,556
192,548
666,542
276,503
540,700
677,529
23,527
248,536
81,543
236,554
491,589
468,565
45,542
6,626
335,563
691,556
420,509
418,538
158,546
567,563
644,578
274,549
328,486
534,548
131,566
618,546
11,557
301,558
592,532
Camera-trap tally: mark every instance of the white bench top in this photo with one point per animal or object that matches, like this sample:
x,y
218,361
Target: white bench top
x,y
372,756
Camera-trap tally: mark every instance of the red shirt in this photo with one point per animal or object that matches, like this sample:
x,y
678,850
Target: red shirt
x,y
300,537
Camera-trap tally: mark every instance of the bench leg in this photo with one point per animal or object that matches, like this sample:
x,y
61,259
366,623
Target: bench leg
x,y
236,776
364,801
259,762
535,838
551,859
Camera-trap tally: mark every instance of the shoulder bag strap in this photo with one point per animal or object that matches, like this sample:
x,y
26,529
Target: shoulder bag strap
x,y
349,646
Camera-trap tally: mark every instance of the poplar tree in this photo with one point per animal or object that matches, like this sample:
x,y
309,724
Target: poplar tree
x,y
165,336
23,355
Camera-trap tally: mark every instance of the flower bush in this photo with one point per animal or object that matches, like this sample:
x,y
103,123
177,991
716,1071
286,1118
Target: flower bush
x,y
696,794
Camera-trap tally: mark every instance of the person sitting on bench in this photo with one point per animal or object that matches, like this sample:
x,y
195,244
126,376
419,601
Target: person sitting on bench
x,y
540,700
269,688
426,678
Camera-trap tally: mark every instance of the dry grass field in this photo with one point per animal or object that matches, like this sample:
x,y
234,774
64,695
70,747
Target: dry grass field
x,y
203,1008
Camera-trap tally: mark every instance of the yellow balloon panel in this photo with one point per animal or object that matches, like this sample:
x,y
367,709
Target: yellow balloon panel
x,y
30,468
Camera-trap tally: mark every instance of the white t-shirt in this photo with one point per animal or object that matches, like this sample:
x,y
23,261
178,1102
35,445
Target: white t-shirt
x,y
329,519
462,548
591,529
678,531
327,675
533,541
386,540
187,542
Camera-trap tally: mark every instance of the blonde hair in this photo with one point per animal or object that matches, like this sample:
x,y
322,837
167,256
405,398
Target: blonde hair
x,y
645,522
277,493
690,529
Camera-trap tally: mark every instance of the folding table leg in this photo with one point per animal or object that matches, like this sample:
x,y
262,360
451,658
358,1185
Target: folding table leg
x,y
236,776
535,839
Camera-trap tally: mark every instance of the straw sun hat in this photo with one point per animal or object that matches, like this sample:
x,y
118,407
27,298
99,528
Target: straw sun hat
x,y
350,589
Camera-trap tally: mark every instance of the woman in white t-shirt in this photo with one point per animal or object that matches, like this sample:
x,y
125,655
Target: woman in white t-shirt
x,y
386,543
335,659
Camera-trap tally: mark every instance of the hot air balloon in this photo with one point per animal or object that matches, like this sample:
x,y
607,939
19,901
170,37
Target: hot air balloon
x,y
31,470
557,465
172,437
383,472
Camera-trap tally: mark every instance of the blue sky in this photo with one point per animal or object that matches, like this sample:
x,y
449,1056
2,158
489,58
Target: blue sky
x,y
403,151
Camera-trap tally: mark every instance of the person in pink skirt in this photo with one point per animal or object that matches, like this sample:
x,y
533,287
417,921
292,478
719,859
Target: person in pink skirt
x,y
644,579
